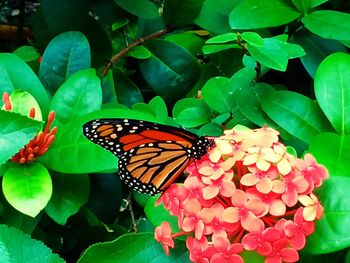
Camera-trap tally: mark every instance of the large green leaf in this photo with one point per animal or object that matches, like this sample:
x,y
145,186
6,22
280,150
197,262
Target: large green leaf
x,y
332,89
316,48
15,132
181,12
73,153
16,74
297,114
328,24
79,94
15,246
252,14
214,17
134,248
23,102
338,162
218,95
27,188
171,71
63,15
70,192
140,8
66,54
331,233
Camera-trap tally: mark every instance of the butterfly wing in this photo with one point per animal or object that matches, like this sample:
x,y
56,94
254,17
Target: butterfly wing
x,y
151,156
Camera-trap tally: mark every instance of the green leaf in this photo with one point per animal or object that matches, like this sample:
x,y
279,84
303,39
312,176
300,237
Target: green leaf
x,y
70,192
338,162
158,214
295,113
27,188
27,53
65,54
330,234
62,15
332,89
191,113
316,48
224,38
140,8
127,92
79,94
159,108
22,102
134,248
218,95
272,52
181,12
139,52
328,24
169,77
303,5
16,74
71,152
190,41
211,49
15,246
248,100
252,14
108,90
214,17
15,132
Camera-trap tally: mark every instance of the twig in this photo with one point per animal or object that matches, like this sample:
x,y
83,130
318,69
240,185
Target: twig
x,y
137,42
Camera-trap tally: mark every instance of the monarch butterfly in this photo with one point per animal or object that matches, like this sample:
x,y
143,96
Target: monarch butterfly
x,y
151,156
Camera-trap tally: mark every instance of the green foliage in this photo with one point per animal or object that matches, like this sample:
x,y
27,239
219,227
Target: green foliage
x,y
201,65
15,246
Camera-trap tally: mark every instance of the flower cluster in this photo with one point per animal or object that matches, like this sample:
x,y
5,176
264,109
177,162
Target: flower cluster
x,y
246,194
41,142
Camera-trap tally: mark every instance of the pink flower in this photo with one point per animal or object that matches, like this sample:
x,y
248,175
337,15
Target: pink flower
x,y
163,235
241,197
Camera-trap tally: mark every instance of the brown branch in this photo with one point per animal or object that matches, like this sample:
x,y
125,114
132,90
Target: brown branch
x,y
137,42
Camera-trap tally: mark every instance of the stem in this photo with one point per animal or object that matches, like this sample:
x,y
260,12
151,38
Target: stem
x,y
137,42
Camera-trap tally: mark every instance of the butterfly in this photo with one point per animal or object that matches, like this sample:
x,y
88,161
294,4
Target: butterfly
x,y
151,156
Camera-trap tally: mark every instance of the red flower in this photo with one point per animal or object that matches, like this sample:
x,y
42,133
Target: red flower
x,y
242,196
41,142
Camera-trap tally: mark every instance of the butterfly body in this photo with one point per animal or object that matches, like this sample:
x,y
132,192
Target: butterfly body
x,y
151,156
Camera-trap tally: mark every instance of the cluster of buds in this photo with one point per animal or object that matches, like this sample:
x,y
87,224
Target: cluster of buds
x,y
247,194
41,142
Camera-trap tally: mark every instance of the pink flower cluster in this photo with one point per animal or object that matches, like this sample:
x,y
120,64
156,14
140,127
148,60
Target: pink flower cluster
x,y
246,194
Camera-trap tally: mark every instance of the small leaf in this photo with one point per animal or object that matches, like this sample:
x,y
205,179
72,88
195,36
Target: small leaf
x,y
140,8
159,108
70,192
27,188
329,24
19,247
27,53
250,14
139,52
191,113
65,54
22,102
79,95
218,95
224,38
253,38
332,86
15,132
